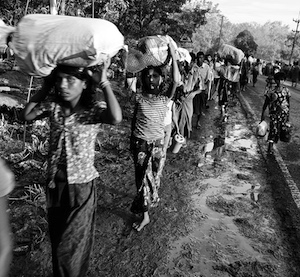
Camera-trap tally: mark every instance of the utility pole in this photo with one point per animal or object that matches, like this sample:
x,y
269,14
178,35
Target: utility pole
x,y
294,41
220,35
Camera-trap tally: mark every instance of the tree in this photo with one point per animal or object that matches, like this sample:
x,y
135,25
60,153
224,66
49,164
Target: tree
x,y
245,42
12,11
147,17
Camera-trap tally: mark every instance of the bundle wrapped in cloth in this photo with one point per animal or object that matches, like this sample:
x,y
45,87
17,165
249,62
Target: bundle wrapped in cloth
x,y
229,51
5,31
42,41
150,51
184,55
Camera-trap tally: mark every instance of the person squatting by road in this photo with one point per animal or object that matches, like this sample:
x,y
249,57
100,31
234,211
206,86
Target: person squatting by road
x,y
7,184
147,136
278,103
75,120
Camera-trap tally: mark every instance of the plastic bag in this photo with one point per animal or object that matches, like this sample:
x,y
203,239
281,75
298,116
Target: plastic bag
x,y
262,128
41,41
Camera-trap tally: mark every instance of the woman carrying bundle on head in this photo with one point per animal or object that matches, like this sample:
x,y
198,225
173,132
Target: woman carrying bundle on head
x,y
75,120
147,136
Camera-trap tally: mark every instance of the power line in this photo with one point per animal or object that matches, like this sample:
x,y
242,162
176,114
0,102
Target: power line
x,y
295,36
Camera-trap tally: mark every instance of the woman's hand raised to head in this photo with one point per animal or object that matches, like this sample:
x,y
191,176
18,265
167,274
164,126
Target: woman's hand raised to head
x,y
172,50
106,63
101,74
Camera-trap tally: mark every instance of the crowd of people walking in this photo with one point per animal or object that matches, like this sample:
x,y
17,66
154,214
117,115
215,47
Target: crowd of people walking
x,y
169,100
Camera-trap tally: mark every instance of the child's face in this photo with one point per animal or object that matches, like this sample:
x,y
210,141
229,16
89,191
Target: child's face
x,y
70,88
152,80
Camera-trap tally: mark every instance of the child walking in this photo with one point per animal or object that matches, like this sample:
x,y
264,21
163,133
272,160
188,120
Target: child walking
x,y
147,136
75,120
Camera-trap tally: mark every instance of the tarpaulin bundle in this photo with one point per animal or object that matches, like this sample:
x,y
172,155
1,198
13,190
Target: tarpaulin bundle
x,y
229,51
42,41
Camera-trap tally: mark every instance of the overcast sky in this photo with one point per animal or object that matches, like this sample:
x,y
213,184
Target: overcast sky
x,y
260,11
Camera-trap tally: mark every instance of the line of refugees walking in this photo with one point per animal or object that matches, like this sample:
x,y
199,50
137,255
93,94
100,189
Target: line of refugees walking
x,y
168,94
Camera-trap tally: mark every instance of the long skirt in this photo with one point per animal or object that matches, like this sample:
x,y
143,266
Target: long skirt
x,y
71,219
149,160
277,120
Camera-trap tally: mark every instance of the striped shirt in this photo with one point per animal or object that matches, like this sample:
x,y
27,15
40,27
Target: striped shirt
x,y
150,114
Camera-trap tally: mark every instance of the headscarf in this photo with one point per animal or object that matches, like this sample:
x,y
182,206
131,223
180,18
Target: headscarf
x,y
81,73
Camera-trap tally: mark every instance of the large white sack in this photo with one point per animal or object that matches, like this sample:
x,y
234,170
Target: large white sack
x,y
155,49
42,41
236,54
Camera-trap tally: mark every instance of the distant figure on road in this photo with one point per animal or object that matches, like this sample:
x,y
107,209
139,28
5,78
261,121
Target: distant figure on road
x,y
295,70
278,103
244,72
255,71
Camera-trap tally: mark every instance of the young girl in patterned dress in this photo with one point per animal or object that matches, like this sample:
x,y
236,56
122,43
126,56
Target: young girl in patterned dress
x,y
75,120
147,137
278,102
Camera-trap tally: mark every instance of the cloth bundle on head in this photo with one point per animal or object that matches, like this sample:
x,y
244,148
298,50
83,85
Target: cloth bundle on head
x,y
184,55
5,31
42,41
228,51
151,51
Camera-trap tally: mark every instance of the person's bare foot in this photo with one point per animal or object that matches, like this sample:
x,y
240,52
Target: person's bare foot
x,y
138,226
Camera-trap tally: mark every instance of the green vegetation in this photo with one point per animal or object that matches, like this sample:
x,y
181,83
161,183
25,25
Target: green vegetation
x,y
200,20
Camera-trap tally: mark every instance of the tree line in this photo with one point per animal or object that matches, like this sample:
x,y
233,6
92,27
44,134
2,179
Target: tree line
x,y
198,20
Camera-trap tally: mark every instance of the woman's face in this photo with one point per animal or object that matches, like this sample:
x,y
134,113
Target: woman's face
x,y
152,79
70,88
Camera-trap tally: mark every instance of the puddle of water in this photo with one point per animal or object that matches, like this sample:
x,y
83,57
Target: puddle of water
x,y
225,232
232,140
243,189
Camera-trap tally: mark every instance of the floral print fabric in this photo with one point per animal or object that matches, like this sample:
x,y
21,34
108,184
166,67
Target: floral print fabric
x,y
76,135
149,161
278,111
